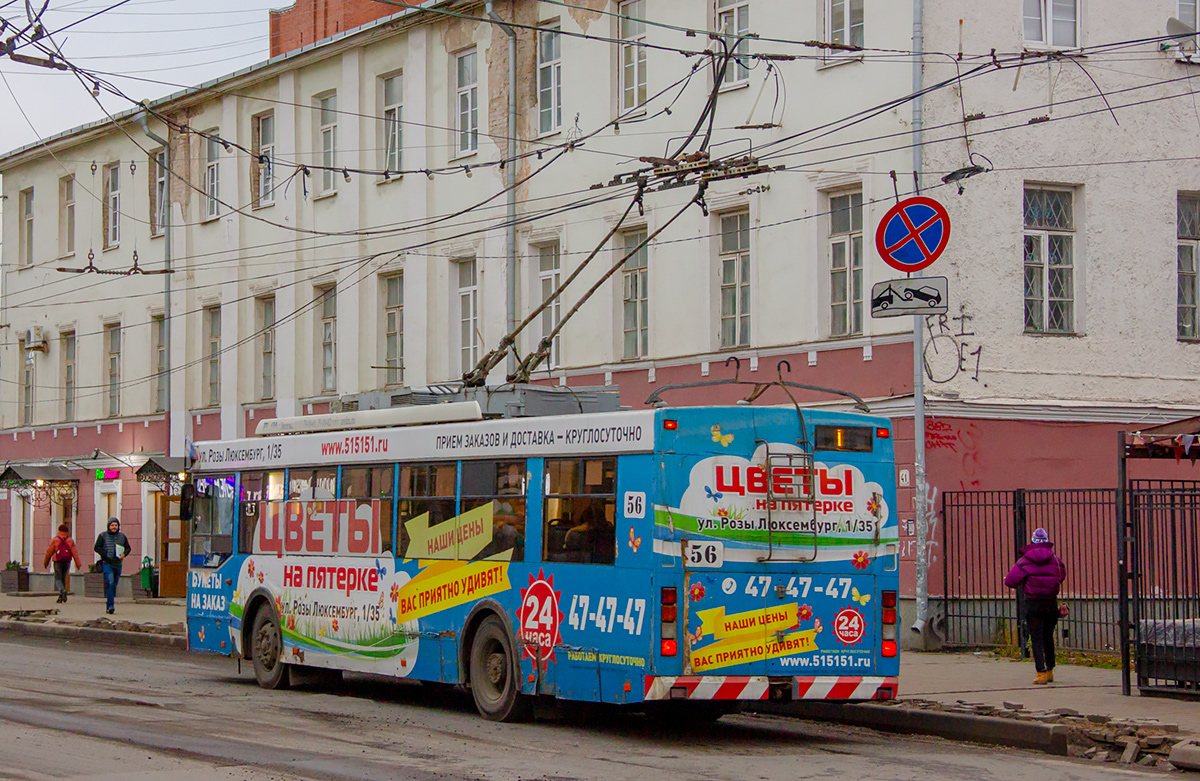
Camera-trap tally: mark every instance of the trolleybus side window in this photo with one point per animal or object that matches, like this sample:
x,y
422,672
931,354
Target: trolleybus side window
x,y
309,485
212,522
580,511
368,485
257,490
427,499
500,484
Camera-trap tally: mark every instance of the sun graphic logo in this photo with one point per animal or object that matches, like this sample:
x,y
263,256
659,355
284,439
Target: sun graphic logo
x,y
539,619
849,626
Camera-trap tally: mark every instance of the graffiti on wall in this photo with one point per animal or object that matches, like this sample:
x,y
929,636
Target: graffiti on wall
x,y
962,442
908,531
949,347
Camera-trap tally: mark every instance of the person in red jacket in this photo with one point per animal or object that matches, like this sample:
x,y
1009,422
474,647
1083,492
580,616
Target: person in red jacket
x,y
62,552
1040,572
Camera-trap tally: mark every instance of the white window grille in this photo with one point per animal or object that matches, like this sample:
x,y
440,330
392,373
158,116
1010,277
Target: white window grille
x,y
1054,23
26,238
549,278
633,54
158,193
112,349
549,80
393,129
733,20
27,384
328,117
264,164
635,299
328,337
1049,261
393,327
68,342
159,326
212,358
1188,221
267,360
846,264
112,205
735,280
212,177
845,22
468,315
66,231
468,103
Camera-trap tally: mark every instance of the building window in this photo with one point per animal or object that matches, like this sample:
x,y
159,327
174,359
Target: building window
x,y
1049,261
328,336
1187,13
112,205
549,80
635,300
66,219
468,315
548,280
633,54
846,264
266,310
158,325
393,328
212,354
1055,23
26,246
112,351
68,359
1188,246
212,177
735,280
27,367
262,146
468,103
328,133
393,129
845,22
158,192
733,20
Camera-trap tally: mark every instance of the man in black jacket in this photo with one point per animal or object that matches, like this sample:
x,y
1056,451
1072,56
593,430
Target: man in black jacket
x,y
112,546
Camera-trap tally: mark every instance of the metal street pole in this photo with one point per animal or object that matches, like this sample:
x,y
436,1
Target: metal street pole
x,y
166,145
919,489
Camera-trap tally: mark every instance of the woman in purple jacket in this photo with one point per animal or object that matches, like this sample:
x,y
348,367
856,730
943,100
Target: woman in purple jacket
x,y
1041,572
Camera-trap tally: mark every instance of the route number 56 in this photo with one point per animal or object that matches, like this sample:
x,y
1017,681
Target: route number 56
x,y
703,553
635,504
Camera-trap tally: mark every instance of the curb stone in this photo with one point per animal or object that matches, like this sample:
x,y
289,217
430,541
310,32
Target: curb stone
x,y
105,636
1186,755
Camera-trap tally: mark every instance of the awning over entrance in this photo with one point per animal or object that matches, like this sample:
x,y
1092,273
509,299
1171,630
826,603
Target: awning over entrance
x,y
41,484
163,470
1171,440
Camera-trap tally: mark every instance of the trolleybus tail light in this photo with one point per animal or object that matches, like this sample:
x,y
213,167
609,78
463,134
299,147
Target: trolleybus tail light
x,y
889,647
670,425
889,599
669,612
888,620
883,433
889,615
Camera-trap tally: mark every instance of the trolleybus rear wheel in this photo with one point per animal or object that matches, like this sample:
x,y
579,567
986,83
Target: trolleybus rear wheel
x,y
495,674
266,643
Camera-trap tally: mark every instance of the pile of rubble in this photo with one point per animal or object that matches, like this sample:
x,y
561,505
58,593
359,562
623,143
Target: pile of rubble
x,y
130,626
1146,742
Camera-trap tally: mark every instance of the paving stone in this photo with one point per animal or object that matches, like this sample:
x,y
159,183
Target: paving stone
x,y
1066,711
1148,761
1151,741
1014,706
1130,753
1100,756
1097,718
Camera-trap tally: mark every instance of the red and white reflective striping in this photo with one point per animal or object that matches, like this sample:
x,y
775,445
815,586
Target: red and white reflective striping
x,y
757,687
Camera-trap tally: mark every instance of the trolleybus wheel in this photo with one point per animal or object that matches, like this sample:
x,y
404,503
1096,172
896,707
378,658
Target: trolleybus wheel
x,y
266,643
495,674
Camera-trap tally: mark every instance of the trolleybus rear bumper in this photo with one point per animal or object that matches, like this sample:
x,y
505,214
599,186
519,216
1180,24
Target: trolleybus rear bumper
x,y
762,687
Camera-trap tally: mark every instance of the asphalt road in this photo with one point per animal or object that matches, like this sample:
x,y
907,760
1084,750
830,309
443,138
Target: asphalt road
x,y
94,712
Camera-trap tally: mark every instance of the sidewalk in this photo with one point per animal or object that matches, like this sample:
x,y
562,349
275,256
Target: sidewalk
x,y
81,609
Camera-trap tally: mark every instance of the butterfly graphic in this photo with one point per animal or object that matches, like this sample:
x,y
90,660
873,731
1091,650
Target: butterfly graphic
x,y
391,616
711,494
382,570
634,542
698,636
724,439
861,599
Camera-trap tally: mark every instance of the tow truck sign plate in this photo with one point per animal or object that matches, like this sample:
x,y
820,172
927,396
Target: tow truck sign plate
x,y
913,296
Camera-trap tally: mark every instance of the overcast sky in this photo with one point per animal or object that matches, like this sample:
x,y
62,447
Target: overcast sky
x,y
184,42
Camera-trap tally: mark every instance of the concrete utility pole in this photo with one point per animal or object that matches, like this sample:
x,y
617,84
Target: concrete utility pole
x,y
919,489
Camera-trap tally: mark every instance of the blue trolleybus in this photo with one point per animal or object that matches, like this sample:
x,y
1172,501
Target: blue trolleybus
x,y
710,554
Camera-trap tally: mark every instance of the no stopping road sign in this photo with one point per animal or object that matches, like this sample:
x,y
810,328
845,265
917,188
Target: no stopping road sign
x,y
913,234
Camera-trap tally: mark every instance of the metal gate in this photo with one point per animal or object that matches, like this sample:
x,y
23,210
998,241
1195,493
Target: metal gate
x,y
1162,604
982,534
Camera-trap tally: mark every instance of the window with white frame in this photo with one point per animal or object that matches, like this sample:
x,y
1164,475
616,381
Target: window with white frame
x,y
112,371
735,280
467,122
327,335
327,113
1188,222
112,205
66,216
158,192
845,22
468,314
25,254
549,79
633,54
1187,12
1049,260
68,360
212,354
635,299
1054,23
846,264
262,145
266,362
27,385
549,278
733,20
393,328
393,118
212,176
158,326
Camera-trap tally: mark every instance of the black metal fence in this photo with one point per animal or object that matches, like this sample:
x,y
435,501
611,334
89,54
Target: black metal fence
x,y
1163,533
982,534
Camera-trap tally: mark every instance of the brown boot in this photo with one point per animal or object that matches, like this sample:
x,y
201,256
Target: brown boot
x,y
1049,676
1042,678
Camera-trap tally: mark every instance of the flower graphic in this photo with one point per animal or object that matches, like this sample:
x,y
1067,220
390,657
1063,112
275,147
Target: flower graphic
x,y
874,505
250,567
861,560
237,597
335,628
805,612
395,593
260,577
696,592
321,632
291,622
